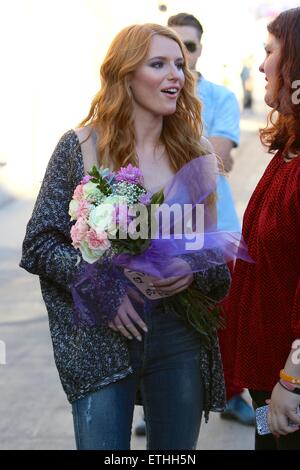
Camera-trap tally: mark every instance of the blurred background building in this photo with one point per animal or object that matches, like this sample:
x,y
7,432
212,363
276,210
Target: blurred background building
x,y
51,52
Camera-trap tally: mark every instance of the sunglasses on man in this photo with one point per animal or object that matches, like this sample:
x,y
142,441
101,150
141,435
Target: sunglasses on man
x,y
190,45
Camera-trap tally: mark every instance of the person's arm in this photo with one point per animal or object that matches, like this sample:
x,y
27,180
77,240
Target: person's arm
x,y
284,403
224,134
213,278
207,270
292,366
47,249
223,147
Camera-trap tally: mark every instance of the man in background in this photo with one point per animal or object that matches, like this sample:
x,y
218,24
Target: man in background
x,y
220,115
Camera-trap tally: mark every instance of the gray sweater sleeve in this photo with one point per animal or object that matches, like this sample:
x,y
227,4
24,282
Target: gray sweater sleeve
x,y
47,249
213,278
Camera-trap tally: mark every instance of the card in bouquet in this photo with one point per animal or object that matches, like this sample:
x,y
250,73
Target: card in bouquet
x,y
141,281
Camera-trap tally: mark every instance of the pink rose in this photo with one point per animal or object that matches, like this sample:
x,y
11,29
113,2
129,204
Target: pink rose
x,y
78,193
97,240
79,231
83,209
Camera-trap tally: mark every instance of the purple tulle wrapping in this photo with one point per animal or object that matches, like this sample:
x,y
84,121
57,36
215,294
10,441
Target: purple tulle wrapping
x,y
99,288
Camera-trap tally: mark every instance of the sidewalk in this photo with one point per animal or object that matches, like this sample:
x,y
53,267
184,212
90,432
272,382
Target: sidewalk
x,y
34,411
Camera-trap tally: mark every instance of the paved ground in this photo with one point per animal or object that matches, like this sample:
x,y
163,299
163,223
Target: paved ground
x,y
33,409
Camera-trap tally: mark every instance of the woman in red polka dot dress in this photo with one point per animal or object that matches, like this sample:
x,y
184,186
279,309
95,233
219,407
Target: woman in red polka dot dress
x,y
264,301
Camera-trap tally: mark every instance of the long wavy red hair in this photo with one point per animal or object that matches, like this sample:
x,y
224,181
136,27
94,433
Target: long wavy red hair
x,y
283,128
111,112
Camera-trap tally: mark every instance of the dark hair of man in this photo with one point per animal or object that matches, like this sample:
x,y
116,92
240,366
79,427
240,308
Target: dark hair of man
x,y
184,19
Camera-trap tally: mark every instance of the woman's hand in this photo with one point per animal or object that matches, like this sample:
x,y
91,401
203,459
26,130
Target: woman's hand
x,y
175,284
282,408
123,321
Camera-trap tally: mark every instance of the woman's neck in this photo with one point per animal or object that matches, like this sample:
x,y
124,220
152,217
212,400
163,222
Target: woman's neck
x,y
148,130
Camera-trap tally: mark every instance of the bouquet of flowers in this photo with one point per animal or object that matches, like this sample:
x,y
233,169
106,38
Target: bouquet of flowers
x,y
105,229
102,206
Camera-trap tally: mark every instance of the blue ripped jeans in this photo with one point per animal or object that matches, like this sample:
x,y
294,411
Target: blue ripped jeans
x,y
166,366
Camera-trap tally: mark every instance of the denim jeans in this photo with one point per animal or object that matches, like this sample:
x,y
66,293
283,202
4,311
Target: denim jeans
x,y
166,366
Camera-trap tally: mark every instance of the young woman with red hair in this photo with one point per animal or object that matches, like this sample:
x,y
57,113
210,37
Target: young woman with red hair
x,y
145,114
265,296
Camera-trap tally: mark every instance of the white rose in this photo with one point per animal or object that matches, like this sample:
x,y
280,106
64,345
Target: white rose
x,y
115,200
90,256
102,217
73,207
91,191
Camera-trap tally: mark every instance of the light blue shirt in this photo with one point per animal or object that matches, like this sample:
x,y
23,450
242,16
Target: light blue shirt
x,y
221,118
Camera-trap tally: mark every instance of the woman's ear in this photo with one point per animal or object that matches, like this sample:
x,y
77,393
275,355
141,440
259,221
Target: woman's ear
x,y
128,84
200,50
128,79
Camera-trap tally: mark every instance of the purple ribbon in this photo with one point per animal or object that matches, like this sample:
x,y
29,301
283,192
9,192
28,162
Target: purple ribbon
x,y
99,289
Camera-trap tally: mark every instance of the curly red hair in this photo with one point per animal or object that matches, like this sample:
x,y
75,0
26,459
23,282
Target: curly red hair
x,y
283,127
111,112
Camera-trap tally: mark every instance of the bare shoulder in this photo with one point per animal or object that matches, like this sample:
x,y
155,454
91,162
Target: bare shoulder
x,y
88,143
206,144
82,132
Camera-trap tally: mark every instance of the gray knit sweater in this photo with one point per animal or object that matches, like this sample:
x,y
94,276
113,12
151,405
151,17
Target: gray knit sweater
x,y
89,358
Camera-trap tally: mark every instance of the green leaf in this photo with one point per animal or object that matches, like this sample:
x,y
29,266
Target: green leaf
x,y
200,311
94,172
158,198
